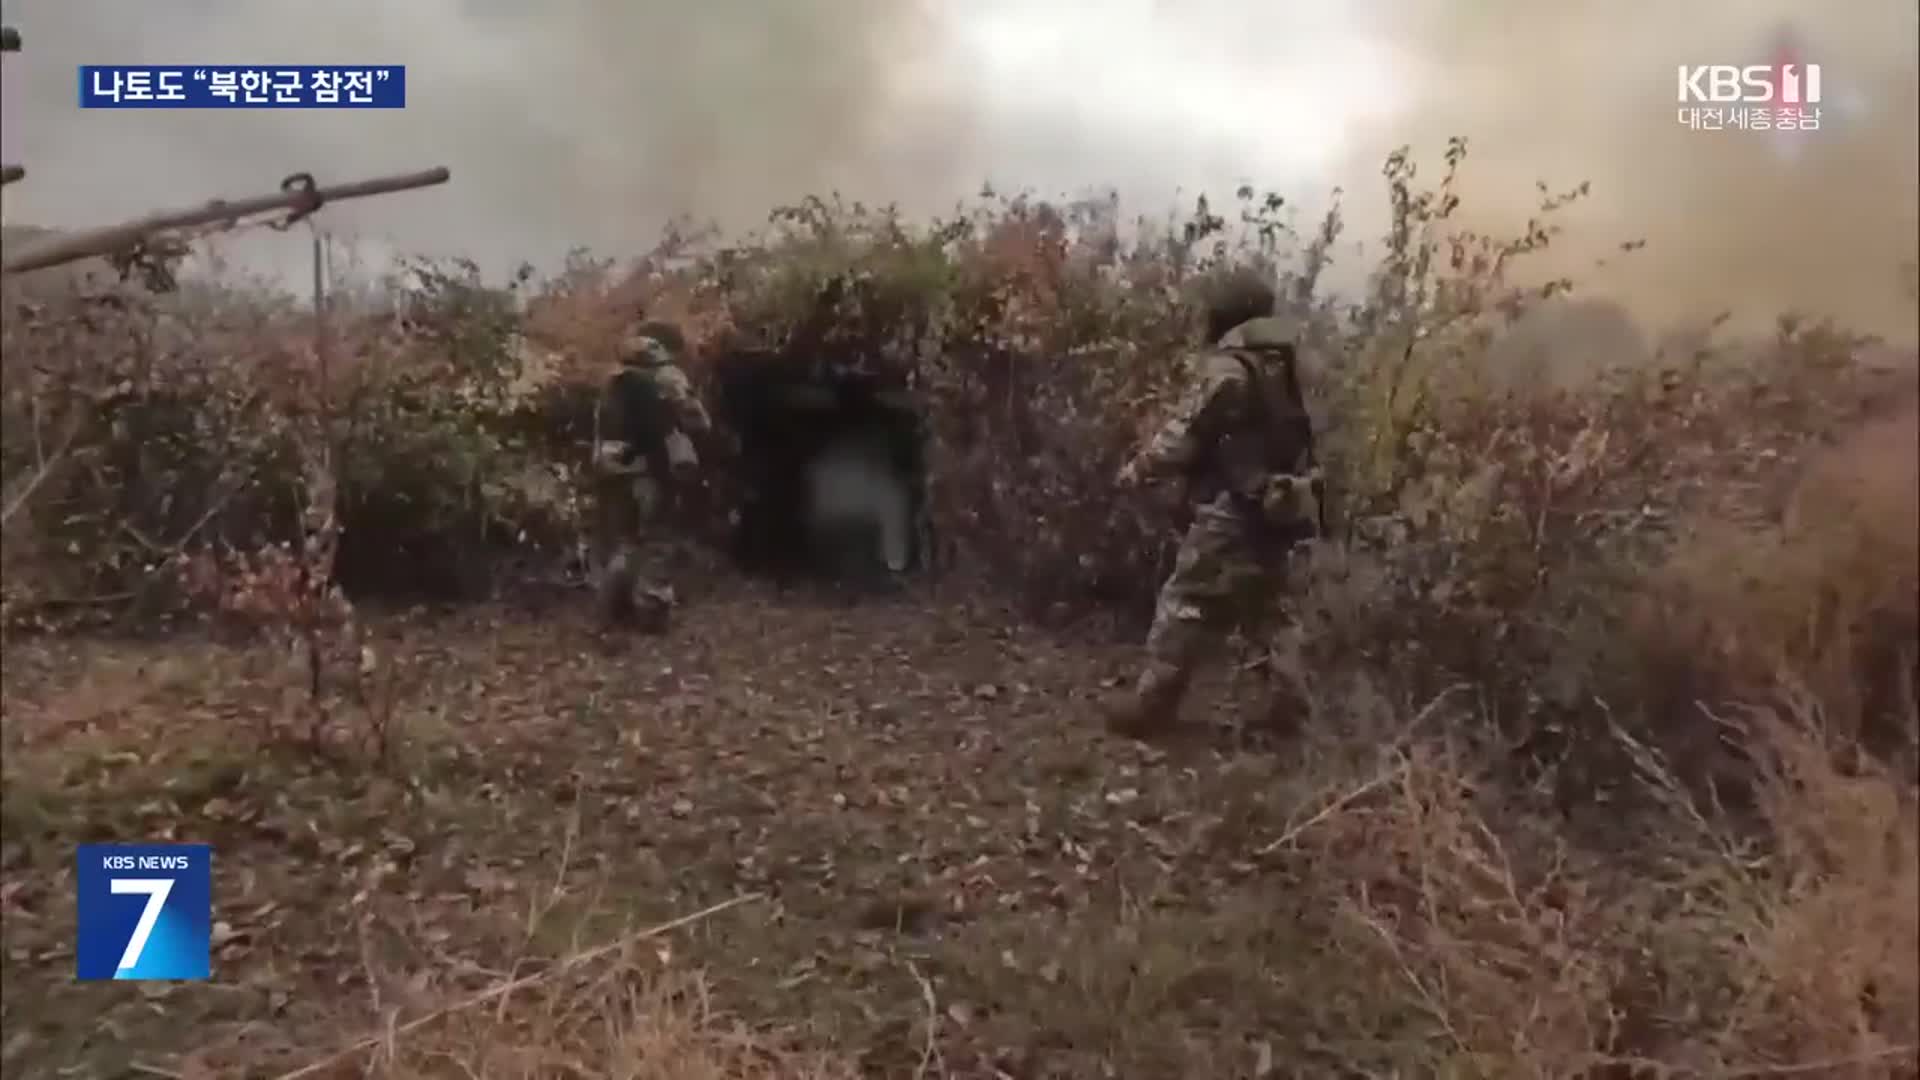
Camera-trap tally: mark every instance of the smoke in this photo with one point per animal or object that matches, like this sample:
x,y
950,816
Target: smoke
x,y
594,122
1734,220
588,122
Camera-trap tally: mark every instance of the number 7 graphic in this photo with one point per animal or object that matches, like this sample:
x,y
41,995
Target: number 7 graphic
x,y
156,890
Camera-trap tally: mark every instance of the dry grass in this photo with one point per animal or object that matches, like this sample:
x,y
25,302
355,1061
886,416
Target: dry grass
x,y
626,1026
620,1010
1710,949
1707,939
1826,599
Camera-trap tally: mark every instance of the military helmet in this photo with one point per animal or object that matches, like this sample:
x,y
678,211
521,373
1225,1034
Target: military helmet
x,y
640,350
1234,296
651,344
665,333
1266,332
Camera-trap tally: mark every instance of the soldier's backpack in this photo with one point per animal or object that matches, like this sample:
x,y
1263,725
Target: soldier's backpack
x,y
1275,436
1279,409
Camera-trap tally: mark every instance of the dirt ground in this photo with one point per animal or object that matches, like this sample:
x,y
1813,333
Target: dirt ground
x,y
950,861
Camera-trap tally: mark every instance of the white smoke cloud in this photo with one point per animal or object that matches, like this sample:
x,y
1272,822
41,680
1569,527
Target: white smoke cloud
x,y
595,121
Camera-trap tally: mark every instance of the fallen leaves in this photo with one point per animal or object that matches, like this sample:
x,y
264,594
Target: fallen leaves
x,y
885,796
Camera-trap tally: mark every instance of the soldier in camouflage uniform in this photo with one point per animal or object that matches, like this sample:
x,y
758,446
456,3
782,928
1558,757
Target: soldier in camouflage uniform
x,y
1241,440
644,424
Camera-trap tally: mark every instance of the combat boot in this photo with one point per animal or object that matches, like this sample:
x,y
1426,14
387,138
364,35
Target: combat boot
x,y
616,600
1152,709
1288,705
653,609
628,603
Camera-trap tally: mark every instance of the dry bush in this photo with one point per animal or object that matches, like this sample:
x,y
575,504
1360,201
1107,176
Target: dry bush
x,y
1033,364
1828,969
1041,343
1675,564
1612,551
142,428
1619,565
1831,593
1702,948
131,432
1477,920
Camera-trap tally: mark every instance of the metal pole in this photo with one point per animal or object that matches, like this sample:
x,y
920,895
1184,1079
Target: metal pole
x,y
117,238
10,42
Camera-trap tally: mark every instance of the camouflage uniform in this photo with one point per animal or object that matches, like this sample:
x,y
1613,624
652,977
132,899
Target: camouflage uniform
x,y
642,427
1243,442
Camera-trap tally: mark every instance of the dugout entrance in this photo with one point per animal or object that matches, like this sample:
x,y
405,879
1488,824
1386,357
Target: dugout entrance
x,y
831,474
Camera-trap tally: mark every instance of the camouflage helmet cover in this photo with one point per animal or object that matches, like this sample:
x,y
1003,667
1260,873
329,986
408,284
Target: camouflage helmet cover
x,y
1232,297
639,350
1267,332
651,344
666,333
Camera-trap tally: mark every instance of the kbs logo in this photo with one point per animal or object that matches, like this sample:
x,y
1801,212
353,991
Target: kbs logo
x,y
1783,96
146,911
1755,84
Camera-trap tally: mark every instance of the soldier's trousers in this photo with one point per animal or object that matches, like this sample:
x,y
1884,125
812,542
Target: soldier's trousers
x,y
1228,575
626,517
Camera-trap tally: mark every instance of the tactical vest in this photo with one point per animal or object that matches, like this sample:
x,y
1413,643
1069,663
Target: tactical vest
x,y
1268,433
634,411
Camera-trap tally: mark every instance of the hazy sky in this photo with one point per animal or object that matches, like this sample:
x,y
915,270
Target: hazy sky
x,y
588,122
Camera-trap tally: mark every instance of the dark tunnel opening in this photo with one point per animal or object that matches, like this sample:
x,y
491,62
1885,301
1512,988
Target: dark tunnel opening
x,y
831,473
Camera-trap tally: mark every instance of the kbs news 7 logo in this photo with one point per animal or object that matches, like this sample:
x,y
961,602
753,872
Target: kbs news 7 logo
x,y
145,911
